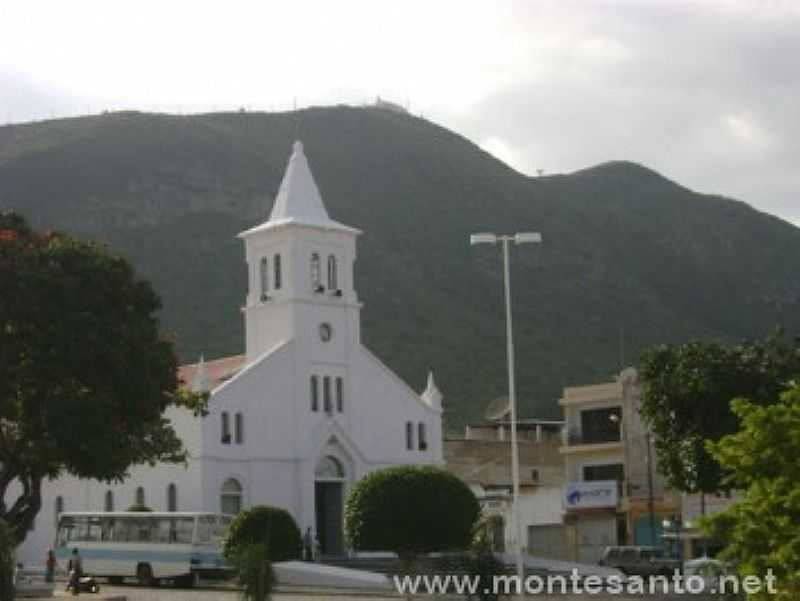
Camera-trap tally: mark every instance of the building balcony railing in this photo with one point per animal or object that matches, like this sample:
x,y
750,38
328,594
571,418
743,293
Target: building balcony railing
x,y
578,437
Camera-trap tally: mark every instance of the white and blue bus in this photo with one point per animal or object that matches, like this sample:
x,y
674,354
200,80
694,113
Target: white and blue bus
x,y
180,546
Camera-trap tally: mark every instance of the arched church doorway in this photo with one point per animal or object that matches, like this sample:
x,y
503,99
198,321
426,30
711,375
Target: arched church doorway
x,y
329,478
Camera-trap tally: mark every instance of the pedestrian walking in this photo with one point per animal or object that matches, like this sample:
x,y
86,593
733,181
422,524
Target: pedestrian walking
x,y
75,570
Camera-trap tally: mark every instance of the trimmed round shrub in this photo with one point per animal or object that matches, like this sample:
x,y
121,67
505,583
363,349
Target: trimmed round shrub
x,y
410,510
272,527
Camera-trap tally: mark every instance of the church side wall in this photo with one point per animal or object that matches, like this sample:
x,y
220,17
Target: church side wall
x,y
383,406
265,462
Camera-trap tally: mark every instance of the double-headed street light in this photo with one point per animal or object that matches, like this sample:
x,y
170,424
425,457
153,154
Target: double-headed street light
x,y
518,238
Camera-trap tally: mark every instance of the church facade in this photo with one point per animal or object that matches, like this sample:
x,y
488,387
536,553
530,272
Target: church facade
x,y
297,419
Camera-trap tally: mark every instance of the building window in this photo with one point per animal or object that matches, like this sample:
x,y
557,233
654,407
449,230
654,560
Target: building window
x,y
276,269
172,497
140,498
264,276
340,395
332,284
59,507
238,428
329,468
612,471
600,425
410,436
109,503
316,274
422,439
326,394
230,500
314,393
225,435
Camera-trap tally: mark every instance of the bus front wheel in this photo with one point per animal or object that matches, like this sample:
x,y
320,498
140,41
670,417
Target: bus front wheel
x,y
144,574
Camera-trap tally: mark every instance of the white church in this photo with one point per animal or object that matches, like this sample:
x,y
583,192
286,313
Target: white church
x,y
297,419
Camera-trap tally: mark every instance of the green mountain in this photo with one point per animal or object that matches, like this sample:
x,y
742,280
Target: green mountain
x,y
625,250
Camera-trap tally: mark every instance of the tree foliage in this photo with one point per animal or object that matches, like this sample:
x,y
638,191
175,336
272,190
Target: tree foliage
x,y
272,527
85,376
687,393
762,529
410,510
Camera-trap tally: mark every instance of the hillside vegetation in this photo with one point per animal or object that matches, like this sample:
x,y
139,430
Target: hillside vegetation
x,y
624,248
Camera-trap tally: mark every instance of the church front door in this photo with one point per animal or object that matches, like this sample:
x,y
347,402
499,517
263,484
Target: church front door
x,y
330,505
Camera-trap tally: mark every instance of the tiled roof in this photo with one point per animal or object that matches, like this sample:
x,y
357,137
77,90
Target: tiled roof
x,y
217,370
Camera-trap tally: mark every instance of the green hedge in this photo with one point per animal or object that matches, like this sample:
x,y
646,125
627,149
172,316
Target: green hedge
x,y
410,510
270,526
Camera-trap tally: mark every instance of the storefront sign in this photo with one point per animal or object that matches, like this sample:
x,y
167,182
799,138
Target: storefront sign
x,y
588,495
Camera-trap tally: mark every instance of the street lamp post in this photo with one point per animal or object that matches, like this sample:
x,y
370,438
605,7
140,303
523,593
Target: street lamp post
x,y
518,238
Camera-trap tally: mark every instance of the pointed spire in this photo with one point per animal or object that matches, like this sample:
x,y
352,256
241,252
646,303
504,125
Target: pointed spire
x,y
432,395
298,200
200,381
298,196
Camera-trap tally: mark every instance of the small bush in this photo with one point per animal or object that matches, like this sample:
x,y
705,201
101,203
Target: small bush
x,y
139,508
270,526
410,510
255,571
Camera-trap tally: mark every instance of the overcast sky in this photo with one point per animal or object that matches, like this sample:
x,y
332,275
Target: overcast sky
x,y
707,93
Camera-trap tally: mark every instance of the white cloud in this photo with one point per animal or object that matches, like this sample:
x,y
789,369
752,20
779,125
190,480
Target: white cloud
x,y
705,93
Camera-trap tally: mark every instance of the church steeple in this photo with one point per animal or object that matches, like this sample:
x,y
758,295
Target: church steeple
x,y
298,201
300,267
298,197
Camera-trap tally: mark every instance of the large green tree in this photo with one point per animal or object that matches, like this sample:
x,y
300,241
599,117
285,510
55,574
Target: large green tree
x,y
688,389
762,529
85,375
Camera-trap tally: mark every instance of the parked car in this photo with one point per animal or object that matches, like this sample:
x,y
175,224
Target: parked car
x,y
712,571
640,561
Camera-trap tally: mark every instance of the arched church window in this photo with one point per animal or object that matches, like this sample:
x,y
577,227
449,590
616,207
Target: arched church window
x,y
59,507
422,439
225,434
329,468
172,497
332,279
238,428
109,501
314,393
326,394
340,395
140,498
316,273
230,499
410,436
264,278
276,271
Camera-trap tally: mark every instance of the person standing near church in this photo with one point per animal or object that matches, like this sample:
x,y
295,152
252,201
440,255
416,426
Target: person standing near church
x,y
50,566
308,545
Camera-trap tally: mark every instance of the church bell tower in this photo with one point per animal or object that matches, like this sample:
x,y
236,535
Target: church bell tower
x,y
300,270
